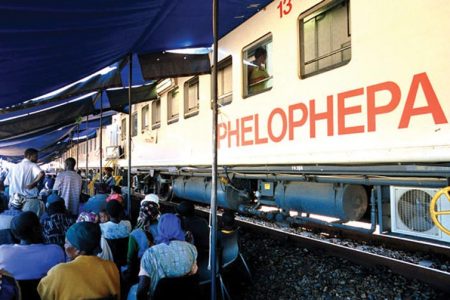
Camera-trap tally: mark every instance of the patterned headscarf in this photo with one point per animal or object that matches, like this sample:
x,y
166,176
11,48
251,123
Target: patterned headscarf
x,y
87,217
148,214
169,229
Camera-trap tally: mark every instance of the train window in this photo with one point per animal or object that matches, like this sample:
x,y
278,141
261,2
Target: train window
x,y
156,113
257,66
224,81
172,106
123,129
325,38
134,124
144,118
191,97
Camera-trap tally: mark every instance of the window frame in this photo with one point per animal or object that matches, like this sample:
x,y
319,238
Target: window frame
x,y
325,6
134,124
145,118
156,124
123,129
195,111
264,40
172,118
224,99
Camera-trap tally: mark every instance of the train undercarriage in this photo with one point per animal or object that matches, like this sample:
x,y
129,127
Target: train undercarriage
x,y
389,199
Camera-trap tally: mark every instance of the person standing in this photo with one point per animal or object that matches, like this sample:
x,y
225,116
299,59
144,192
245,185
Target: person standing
x,y
68,184
25,176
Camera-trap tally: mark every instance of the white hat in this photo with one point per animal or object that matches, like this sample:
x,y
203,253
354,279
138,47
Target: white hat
x,y
151,198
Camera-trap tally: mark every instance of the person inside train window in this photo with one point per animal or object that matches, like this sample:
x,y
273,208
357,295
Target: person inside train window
x,y
172,256
257,75
86,276
257,59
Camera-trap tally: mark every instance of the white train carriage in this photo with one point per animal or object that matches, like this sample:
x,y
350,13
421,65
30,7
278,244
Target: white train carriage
x,y
326,107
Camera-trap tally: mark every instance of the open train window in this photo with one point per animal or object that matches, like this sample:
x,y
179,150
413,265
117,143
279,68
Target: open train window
x,y
325,37
156,113
191,97
224,81
144,118
257,66
173,107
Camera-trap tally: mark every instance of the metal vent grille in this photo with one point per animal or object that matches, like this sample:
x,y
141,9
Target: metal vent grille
x,y
413,208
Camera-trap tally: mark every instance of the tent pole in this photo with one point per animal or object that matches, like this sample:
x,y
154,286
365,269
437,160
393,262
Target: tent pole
x,y
213,212
101,137
87,153
78,146
130,77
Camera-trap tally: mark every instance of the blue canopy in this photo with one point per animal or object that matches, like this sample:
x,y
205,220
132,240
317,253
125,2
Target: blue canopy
x,y
48,44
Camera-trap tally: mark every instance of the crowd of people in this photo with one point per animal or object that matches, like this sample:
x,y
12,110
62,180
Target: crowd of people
x,y
72,250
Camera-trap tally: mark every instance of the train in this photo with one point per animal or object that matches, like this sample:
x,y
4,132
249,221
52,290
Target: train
x,y
329,108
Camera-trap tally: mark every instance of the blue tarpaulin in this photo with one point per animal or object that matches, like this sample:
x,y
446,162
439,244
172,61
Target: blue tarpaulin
x,y
48,44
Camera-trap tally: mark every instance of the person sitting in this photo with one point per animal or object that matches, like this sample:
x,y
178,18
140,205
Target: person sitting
x,y
15,208
105,253
97,202
115,228
103,216
171,257
56,223
142,237
31,259
116,194
108,178
86,276
196,225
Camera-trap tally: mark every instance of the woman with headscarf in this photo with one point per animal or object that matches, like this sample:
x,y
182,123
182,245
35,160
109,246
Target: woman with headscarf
x,y
142,237
171,257
86,276
56,223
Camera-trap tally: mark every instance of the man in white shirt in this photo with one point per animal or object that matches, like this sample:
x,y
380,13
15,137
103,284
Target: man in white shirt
x,y
68,184
25,176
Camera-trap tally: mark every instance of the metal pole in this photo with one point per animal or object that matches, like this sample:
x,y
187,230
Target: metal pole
x,y
78,146
130,77
213,212
87,154
101,137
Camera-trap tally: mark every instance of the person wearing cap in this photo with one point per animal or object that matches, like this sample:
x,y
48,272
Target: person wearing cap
x,y
171,257
86,276
143,236
31,259
15,206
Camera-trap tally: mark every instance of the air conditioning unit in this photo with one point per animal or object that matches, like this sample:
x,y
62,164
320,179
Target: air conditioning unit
x,y
410,213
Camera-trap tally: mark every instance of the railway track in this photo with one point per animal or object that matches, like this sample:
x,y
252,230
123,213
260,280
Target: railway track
x,y
436,278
